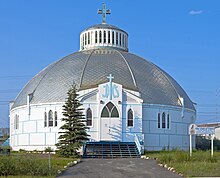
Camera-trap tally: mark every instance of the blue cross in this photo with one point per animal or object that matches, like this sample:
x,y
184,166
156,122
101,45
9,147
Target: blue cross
x,y
111,90
110,77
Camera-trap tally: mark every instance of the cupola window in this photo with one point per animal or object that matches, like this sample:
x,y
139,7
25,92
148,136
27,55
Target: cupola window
x,y
113,38
104,36
109,39
100,36
96,37
116,38
85,39
89,38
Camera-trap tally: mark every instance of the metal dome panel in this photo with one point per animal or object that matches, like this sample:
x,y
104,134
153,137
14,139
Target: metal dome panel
x,y
87,69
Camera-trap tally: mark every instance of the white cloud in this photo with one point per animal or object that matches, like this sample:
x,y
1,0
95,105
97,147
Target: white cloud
x,y
195,12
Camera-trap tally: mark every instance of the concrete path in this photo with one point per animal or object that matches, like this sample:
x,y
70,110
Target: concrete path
x,y
117,168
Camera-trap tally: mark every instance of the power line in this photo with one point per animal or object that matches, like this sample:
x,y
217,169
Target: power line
x,y
10,91
10,77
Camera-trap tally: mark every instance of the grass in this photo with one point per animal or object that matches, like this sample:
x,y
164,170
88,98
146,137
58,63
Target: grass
x,y
28,177
199,165
26,165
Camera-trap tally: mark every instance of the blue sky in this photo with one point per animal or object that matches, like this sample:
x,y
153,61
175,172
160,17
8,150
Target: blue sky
x,y
181,37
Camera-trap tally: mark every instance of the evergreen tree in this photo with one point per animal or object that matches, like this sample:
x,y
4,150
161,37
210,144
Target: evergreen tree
x,y
73,133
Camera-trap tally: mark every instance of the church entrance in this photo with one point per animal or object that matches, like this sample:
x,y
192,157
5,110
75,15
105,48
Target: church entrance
x,y
110,127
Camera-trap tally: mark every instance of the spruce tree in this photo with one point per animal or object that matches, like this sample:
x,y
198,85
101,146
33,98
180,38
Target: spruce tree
x,y
73,132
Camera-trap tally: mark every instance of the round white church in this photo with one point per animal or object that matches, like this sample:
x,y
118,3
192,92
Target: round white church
x,y
124,96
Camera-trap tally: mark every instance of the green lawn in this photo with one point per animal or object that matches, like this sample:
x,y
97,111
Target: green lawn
x,y
199,165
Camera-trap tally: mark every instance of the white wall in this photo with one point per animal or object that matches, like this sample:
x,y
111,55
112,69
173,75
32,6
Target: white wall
x,y
32,135
174,137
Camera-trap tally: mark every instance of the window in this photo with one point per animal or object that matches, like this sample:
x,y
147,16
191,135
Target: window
x,y
110,111
45,119
123,38
130,118
158,120
163,120
50,116
88,38
89,117
168,121
55,118
109,39
104,36
100,36
120,39
16,122
85,38
96,37
116,38
113,38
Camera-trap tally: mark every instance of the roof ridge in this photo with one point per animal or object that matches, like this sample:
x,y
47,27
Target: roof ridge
x,y
83,71
130,70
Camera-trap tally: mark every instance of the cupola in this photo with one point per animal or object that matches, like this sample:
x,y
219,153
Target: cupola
x,y
103,35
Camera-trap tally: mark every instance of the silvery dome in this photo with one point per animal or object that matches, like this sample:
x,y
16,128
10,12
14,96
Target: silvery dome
x,y
89,68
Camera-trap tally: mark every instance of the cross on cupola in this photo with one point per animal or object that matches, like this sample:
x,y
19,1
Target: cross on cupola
x,y
104,11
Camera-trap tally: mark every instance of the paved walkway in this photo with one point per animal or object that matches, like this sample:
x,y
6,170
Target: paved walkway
x,y
117,168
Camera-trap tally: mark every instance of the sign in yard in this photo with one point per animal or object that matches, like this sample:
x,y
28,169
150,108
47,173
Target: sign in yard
x,y
194,130
205,130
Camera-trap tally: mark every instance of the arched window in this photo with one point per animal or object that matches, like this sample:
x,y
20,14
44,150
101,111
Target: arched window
x,y
168,121
50,117
130,118
158,120
100,36
113,38
45,119
89,117
109,110
163,120
109,39
55,118
104,36
96,37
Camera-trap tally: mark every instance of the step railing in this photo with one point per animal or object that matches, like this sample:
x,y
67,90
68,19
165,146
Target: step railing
x,y
139,140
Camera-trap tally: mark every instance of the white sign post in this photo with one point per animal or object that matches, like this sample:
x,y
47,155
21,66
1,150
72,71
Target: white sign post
x,y
194,130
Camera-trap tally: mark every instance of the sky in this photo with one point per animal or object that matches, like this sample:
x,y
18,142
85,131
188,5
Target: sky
x,y
181,37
